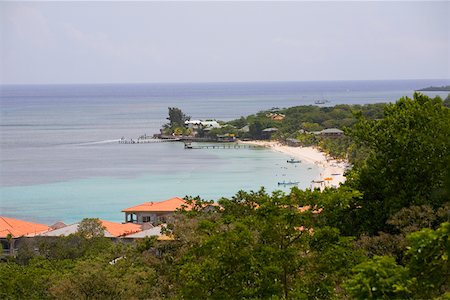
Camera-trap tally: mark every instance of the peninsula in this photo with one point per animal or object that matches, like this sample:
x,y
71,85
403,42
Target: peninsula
x,y
444,88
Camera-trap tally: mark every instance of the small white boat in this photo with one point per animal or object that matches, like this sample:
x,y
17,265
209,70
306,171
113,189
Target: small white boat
x,y
294,161
288,182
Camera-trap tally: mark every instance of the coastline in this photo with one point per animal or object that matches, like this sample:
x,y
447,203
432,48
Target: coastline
x,y
330,168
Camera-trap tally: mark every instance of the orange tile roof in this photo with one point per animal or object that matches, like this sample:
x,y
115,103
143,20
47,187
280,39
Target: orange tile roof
x,y
118,229
18,228
165,206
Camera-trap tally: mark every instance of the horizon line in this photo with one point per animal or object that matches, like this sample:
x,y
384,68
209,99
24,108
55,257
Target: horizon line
x,y
216,82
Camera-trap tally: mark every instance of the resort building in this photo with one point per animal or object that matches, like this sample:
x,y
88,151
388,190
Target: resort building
x,y
267,133
153,212
112,229
197,124
12,229
330,132
194,124
293,142
276,116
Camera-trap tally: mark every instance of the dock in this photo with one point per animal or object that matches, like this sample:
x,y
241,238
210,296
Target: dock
x,y
146,141
188,146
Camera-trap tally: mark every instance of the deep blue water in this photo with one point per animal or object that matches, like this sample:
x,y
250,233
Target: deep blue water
x,y
56,162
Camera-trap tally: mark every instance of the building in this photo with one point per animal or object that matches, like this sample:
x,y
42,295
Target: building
x,y
154,212
194,124
276,116
226,138
293,142
197,124
330,132
267,133
210,124
11,230
112,230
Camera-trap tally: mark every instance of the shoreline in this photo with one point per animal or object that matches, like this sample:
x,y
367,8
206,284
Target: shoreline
x,y
331,169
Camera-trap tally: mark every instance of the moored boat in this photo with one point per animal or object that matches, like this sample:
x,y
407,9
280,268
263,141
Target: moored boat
x,y
294,161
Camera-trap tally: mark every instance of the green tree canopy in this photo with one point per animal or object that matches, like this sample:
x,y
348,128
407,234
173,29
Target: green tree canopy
x,y
409,159
177,117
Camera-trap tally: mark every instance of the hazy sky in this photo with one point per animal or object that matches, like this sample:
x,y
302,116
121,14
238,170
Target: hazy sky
x,y
109,42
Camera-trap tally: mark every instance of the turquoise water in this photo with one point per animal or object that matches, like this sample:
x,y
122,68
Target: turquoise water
x,y
105,197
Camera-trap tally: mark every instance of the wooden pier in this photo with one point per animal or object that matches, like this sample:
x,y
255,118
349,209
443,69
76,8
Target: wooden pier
x,y
188,146
146,141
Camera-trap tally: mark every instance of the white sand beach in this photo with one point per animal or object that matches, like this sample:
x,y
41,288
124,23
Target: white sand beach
x,y
332,174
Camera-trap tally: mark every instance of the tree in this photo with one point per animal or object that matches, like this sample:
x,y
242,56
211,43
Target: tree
x,y
428,259
91,228
261,246
177,117
447,101
409,159
378,278
425,273
255,130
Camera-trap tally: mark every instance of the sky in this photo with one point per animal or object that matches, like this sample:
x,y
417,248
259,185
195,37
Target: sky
x,y
140,42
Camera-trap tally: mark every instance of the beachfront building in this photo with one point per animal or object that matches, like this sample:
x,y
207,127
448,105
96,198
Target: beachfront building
x,y
13,230
197,124
154,212
293,142
267,133
330,132
193,124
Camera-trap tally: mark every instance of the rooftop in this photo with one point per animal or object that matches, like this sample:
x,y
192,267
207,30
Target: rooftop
x,y
111,229
18,228
163,206
332,130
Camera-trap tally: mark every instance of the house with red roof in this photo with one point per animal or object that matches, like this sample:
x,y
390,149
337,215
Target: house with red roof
x,y
13,229
154,212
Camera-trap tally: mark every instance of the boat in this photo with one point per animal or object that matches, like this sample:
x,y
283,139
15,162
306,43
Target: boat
x,y
321,101
288,182
294,161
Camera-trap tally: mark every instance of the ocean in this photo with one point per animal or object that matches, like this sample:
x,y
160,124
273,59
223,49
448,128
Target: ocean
x,y
59,160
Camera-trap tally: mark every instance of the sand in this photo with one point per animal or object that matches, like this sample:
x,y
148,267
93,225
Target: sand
x,y
332,170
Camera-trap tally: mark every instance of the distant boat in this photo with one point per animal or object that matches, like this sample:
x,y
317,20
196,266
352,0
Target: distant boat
x,y
294,161
321,101
288,182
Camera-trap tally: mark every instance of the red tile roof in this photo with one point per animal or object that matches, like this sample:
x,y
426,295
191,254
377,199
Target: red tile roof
x,y
163,206
18,228
118,229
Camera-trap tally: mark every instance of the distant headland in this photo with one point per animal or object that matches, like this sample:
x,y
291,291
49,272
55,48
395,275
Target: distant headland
x,y
444,88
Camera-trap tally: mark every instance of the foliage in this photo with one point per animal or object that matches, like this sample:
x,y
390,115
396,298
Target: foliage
x,y
409,159
261,246
176,118
447,101
91,228
425,274
378,278
428,260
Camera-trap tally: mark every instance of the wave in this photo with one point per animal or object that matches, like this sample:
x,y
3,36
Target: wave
x,y
99,142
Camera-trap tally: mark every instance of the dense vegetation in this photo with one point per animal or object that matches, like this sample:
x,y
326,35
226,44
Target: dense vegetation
x,y
444,88
384,234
